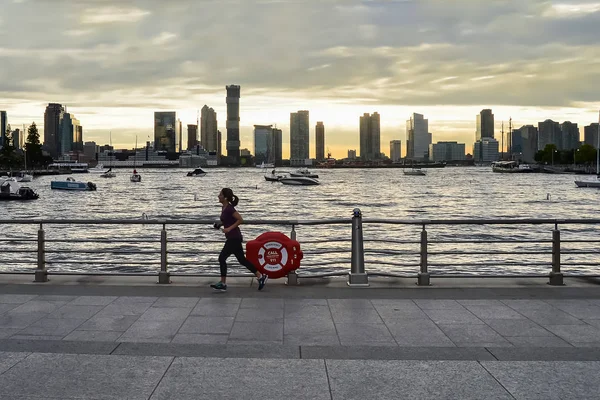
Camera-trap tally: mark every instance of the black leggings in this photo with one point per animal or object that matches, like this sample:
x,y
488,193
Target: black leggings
x,y
234,246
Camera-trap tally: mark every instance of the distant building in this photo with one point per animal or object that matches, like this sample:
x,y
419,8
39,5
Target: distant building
x,y
299,138
3,127
18,139
395,150
165,131
192,136
262,143
447,151
245,153
370,137
52,132
486,150
90,149
549,132
208,129
352,154
485,124
590,135
277,147
233,124
320,141
570,136
418,137
71,133
528,137
178,136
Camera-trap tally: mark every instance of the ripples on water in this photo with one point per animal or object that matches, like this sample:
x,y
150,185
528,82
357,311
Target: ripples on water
x,y
448,193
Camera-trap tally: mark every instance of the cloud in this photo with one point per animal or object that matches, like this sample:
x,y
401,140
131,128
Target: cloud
x,y
111,14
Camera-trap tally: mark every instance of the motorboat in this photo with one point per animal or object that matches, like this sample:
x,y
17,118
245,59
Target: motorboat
x,y
23,176
273,177
589,183
98,169
197,172
11,190
303,172
72,184
108,174
414,172
511,167
298,180
135,177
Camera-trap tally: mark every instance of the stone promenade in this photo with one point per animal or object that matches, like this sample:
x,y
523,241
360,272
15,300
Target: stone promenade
x,y
107,338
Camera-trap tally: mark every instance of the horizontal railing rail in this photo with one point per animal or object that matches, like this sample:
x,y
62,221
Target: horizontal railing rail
x,y
153,250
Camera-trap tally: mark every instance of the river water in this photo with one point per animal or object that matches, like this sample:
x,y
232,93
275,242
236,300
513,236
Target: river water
x,y
447,193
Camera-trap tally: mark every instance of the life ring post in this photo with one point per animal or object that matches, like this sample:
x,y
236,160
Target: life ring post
x,y
358,276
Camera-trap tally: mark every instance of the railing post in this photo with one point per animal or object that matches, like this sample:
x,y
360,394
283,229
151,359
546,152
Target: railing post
x,y
358,276
292,276
423,276
41,274
556,277
163,275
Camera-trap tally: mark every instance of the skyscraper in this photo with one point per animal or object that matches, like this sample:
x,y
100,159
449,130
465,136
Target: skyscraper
x,y
529,143
178,135
299,137
370,137
549,132
320,141
208,129
485,124
570,136
70,134
233,124
418,137
164,131
52,133
446,151
192,138
486,150
277,146
3,126
395,150
590,134
262,143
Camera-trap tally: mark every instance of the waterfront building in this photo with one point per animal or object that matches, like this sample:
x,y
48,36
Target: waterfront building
x,y
485,124
52,132
276,147
233,124
549,132
485,150
320,141
192,136
395,150
262,143
299,138
447,151
370,137
352,154
164,131
418,137
209,136
570,136
590,134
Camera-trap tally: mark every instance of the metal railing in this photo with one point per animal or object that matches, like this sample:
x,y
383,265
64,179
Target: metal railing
x,y
357,276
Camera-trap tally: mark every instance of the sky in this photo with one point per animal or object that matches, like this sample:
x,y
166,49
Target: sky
x,y
114,62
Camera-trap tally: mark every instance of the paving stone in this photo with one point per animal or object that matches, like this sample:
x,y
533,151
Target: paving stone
x,y
356,316
261,303
391,313
216,309
527,305
395,303
294,326
55,298
159,331
93,336
311,339
582,311
19,320
467,335
364,334
192,378
545,354
75,312
219,300
7,332
9,359
369,379
517,327
419,333
52,327
116,323
480,302
551,317
257,331
395,353
292,303
433,304
135,299
38,306
537,341
272,351
343,304
548,379
495,312
576,333
308,312
39,338
97,376
212,325
122,309
199,338
165,314
16,298
259,315
7,307
452,316
92,300
56,346
177,302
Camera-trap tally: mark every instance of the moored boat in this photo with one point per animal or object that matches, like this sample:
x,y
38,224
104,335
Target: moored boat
x,y
299,181
72,184
197,172
11,190
303,172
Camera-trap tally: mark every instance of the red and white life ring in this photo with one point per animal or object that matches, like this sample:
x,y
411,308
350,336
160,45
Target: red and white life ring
x,y
274,254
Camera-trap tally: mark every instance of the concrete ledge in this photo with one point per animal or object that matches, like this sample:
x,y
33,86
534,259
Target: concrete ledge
x,y
209,350
57,346
395,353
546,354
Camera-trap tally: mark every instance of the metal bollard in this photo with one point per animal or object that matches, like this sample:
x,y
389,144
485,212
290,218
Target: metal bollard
x,y
41,274
292,276
556,277
423,276
357,276
163,275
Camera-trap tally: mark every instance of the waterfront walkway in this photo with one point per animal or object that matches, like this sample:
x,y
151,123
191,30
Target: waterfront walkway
x,y
117,338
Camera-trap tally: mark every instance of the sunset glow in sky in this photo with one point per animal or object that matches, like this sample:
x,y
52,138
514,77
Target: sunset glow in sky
x,y
114,62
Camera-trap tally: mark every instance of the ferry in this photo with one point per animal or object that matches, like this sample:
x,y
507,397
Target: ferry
x,y
75,167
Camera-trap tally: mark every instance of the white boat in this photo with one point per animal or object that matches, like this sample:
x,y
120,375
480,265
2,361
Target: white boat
x,y
273,177
414,172
594,182
298,180
263,165
74,167
197,172
511,167
303,172
98,169
11,190
72,184
23,176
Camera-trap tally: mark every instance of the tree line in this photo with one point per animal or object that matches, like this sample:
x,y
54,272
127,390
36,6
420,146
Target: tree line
x,y
11,158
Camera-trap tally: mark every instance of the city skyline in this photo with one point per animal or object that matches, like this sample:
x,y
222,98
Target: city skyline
x,y
116,63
